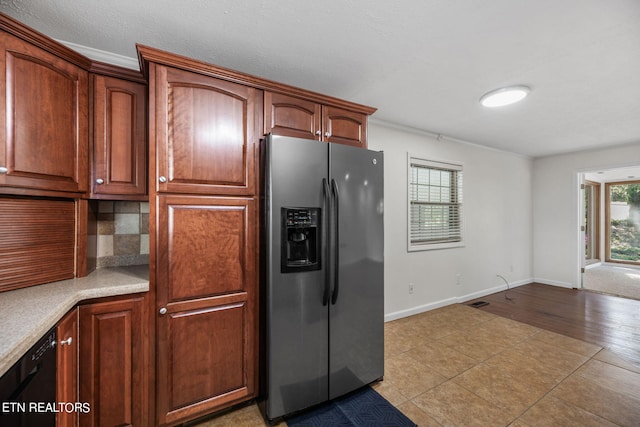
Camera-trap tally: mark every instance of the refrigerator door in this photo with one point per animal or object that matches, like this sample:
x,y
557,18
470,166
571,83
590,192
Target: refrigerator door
x,y
357,306
296,319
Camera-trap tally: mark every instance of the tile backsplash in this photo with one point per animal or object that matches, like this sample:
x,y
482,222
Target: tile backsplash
x,y
123,233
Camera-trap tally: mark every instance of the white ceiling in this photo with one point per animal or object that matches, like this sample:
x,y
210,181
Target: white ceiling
x,y
613,175
423,63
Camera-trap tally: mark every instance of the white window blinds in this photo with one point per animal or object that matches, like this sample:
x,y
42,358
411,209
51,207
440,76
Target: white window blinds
x,y
435,203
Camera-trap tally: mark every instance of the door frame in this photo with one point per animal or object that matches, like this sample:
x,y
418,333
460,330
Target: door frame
x,y
578,203
594,220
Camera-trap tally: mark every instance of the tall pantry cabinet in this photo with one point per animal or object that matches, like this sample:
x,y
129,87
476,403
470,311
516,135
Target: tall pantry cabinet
x,y
205,126
203,142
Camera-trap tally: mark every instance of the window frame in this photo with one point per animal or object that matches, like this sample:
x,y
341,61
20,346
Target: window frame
x,y
413,159
607,222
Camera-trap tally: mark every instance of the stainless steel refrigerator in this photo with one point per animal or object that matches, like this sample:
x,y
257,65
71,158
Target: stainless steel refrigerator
x,y
323,272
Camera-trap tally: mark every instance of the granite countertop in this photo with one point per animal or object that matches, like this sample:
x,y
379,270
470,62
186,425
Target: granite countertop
x,y
27,314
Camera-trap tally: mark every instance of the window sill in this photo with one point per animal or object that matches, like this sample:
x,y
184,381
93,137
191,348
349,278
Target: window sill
x,y
434,246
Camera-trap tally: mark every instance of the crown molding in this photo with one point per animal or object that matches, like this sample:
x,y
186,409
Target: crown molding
x,y
149,55
103,56
440,137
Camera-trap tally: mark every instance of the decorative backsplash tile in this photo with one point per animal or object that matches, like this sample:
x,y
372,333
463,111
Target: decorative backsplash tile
x,y
123,233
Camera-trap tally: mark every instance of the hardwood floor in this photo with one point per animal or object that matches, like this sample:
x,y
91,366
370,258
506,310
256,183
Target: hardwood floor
x,y
608,321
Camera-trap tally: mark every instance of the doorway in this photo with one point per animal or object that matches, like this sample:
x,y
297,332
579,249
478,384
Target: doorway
x,y
610,231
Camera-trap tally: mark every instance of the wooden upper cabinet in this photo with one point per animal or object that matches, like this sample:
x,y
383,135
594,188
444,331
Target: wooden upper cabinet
x,y
119,138
344,127
206,133
292,116
44,117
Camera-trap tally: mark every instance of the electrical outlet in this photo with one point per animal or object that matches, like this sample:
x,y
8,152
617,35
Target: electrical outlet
x,y
410,288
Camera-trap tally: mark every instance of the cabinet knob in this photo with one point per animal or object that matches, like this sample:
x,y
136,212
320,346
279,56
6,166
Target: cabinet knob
x,y
162,179
99,181
68,341
3,169
163,310
318,133
327,134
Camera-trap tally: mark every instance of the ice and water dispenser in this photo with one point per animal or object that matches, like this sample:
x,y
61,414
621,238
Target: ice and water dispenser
x,y
300,240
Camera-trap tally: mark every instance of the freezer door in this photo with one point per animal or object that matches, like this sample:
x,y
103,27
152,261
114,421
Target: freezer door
x,y
357,305
296,319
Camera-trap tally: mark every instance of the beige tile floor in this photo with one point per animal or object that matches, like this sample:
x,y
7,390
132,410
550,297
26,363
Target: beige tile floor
x,y
459,366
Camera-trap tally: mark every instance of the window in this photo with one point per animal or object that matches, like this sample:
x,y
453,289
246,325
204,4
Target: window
x,y
623,222
435,204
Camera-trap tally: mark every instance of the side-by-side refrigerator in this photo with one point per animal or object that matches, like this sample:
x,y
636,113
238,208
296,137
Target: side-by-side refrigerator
x,y
323,272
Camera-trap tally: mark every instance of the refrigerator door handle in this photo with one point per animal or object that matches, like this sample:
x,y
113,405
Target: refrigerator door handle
x,y
336,241
326,202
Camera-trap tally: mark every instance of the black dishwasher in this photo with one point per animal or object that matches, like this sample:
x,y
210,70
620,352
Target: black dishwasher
x,y
28,389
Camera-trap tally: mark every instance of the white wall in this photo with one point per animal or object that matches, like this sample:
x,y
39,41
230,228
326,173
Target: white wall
x,y
497,230
556,243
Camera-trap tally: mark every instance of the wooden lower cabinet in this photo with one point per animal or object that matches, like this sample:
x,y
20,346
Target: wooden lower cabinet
x,y
206,301
67,368
113,363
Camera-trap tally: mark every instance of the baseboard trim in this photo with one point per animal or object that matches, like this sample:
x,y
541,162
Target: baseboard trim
x,y
555,283
493,290
455,300
419,309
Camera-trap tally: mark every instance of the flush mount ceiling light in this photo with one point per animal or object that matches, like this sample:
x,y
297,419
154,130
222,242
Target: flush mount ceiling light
x,y
504,96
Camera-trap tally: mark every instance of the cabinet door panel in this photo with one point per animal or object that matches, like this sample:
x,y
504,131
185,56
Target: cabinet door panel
x,y
45,142
112,375
200,151
119,149
218,332
345,127
209,245
207,283
206,133
290,116
67,367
